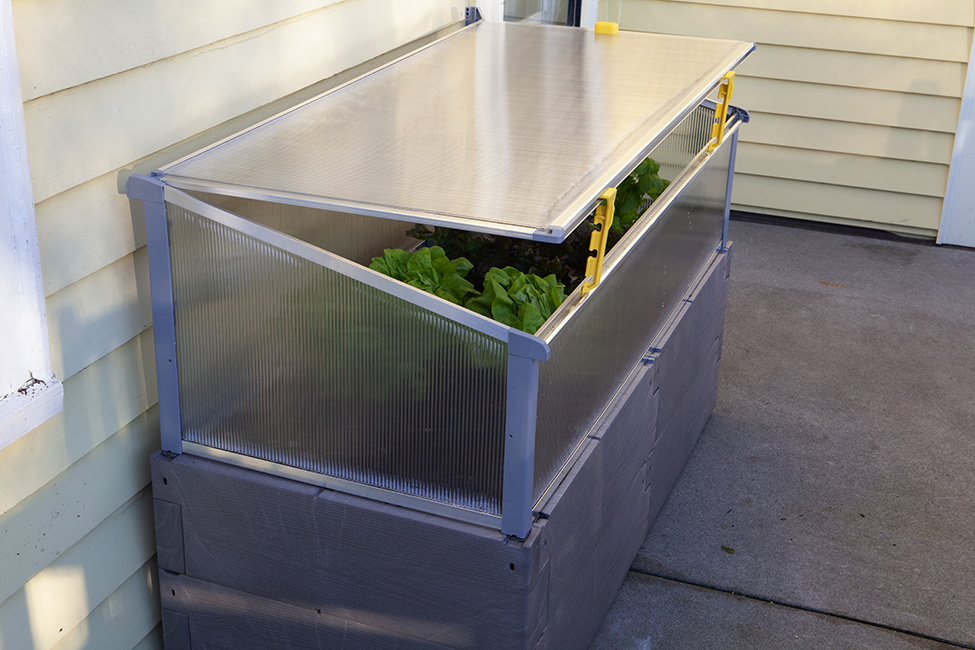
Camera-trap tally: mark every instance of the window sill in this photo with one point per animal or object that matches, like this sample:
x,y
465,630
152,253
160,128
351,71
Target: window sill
x,y
29,407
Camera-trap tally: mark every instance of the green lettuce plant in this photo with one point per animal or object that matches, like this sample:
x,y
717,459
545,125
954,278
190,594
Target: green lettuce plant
x,y
521,300
429,269
523,282
643,183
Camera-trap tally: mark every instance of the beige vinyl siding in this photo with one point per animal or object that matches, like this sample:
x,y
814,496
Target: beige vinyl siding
x,y
110,85
854,105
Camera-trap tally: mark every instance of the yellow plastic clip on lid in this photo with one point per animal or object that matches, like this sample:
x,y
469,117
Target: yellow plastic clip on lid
x,y
603,27
597,243
721,112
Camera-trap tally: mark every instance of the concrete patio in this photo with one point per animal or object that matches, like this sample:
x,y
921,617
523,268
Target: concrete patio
x,y
830,501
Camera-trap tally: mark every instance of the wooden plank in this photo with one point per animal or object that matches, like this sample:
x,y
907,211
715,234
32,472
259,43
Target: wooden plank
x,y
680,434
837,103
686,351
73,135
939,12
169,536
910,177
61,46
200,614
85,229
98,401
123,619
855,70
837,201
76,502
95,315
176,626
597,519
845,137
577,553
60,597
414,574
825,32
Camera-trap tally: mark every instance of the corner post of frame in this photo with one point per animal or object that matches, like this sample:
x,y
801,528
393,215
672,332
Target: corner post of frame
x,y
151,191
727,197
742,116
525,354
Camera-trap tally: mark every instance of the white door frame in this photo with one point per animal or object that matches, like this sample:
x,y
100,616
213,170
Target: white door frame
x,y
958,212
494,10
589,14
29,393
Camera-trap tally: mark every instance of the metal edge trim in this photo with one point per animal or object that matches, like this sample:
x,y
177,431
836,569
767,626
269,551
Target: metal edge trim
x,y
341,265
162,308
576,211
358,207
548,492
518,482
555,232
342,485
315,98
644,224
731,178
575,300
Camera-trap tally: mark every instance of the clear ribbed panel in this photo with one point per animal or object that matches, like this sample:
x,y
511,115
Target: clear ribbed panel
x,y
354,237
500,127
684,143
545,12
284,360
612,329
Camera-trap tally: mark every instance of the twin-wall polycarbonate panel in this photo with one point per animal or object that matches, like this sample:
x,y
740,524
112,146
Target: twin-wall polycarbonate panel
x,y
350,236
282,359
502,127
646,276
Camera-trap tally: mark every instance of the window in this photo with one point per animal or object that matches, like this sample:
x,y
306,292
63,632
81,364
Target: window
x,y
29,393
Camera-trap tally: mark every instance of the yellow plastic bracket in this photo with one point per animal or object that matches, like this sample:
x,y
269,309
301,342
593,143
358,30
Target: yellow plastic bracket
x,y
721,112
603,27
597,242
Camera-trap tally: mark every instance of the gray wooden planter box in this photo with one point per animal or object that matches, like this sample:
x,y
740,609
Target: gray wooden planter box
x,y
345,456
250,560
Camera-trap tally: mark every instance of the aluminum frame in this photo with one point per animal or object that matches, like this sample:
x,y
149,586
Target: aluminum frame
x,y
342,485
151,191
630,151
643,226
525,352
563,314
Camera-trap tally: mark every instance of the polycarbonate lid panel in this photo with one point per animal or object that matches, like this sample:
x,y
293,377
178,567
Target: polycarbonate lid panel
x,y
502,127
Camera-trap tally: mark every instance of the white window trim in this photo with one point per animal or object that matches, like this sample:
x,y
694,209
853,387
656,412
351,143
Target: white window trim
x,y
29,392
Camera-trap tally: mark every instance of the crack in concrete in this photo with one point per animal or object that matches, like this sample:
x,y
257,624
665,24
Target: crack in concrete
x,y
812,610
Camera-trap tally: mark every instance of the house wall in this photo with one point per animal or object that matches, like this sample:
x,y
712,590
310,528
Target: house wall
x,y
112,85
854,104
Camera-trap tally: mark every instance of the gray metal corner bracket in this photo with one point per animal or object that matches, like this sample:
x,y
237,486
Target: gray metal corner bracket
x,y
517,497
527,345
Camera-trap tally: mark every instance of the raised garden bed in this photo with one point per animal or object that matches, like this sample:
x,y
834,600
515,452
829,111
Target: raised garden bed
x,y
283,359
